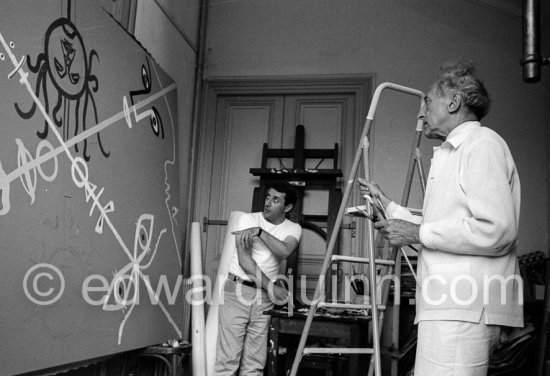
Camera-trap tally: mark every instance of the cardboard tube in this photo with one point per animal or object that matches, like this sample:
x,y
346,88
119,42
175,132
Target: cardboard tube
x,y
197,303
211,329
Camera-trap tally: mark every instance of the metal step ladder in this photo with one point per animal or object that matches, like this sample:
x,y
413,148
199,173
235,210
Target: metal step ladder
x,y
374,307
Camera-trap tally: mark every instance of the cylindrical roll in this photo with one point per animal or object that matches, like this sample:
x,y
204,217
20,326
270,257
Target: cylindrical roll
x,y
211,329
197,303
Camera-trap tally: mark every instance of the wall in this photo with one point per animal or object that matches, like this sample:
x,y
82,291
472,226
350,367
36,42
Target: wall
x,y
401,41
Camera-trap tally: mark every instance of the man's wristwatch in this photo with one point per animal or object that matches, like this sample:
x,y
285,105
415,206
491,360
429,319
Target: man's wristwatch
x,y
259,232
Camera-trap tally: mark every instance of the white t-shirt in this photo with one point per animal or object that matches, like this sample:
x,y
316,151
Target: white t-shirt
x,y
264,258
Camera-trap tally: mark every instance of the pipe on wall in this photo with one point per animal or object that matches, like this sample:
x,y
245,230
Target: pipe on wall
x,y
532,60
197,106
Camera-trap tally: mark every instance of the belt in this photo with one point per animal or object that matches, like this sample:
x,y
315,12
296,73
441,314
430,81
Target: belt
x,y
234,278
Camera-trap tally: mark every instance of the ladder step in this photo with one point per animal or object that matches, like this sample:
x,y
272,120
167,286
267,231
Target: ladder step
x,y
337,350
349,305
361,260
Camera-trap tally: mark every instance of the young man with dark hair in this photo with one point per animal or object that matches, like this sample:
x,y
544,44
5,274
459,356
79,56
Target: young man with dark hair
x,y
262,241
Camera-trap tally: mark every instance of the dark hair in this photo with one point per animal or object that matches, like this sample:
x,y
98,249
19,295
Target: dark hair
x,y
288,190
460,77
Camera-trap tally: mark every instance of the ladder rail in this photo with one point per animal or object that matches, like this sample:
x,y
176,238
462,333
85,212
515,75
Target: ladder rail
x,y
375,322
361,152
328,255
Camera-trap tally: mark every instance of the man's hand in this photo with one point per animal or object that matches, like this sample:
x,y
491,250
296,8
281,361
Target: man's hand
x,y
278,294
247,236
399,232
370,188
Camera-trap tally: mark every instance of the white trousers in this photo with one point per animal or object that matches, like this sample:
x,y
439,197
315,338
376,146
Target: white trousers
x,y
454,348
243,331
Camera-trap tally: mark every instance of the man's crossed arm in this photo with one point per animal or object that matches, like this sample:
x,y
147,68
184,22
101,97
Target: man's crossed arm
x,y
283,249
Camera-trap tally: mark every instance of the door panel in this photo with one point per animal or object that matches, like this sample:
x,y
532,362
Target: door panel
x,y
237,149
241,127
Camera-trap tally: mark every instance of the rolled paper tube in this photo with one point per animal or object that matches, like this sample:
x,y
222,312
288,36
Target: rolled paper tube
x,y
211,329
197,304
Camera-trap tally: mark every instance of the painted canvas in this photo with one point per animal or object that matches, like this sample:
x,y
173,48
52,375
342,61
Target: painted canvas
x,y
89,195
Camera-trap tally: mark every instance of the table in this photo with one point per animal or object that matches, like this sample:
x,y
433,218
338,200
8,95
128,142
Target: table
x,y
344,330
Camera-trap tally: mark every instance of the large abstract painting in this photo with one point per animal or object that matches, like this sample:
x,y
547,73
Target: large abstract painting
x,y
89,196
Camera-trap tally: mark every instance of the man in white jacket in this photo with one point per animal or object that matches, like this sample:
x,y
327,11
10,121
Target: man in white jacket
x,y
468,275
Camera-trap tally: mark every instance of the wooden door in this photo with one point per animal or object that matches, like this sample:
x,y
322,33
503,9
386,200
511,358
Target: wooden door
x,y
234,129
231,144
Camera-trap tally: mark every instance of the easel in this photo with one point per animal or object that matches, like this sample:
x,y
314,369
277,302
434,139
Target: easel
x,y
303,179
374,307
